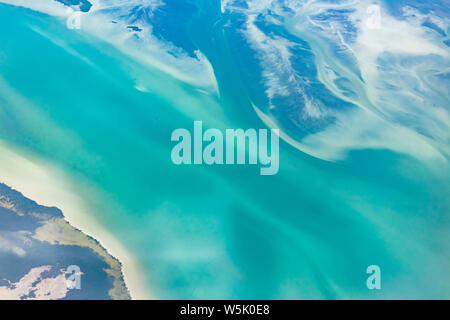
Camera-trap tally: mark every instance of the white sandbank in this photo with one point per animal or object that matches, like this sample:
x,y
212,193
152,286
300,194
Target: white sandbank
x,y
48,187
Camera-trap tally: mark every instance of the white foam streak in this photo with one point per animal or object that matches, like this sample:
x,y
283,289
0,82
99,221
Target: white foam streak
x,y
381,109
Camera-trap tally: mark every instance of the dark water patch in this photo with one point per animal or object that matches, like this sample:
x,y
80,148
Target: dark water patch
x,y
134,28
84,5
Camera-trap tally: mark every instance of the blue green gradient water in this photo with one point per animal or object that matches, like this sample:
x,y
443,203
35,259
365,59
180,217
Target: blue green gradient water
x,y
216,232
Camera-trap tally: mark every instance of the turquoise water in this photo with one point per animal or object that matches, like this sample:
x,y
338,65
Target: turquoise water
x,y
207,232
